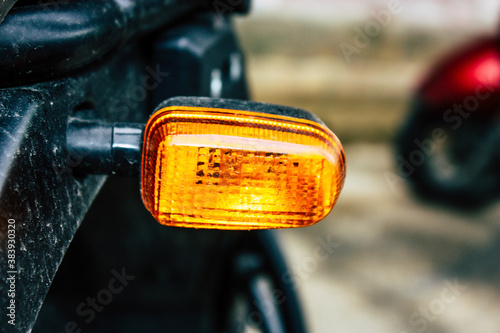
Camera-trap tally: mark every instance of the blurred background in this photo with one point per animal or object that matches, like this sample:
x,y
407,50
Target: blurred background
x,y
382,261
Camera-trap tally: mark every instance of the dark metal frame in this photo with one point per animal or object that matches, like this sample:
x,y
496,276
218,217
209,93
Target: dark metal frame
x,y
75,60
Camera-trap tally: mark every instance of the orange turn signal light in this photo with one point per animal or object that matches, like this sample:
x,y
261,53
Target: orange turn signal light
x,y
218,168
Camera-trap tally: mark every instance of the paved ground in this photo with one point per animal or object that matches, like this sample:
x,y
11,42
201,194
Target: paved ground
x,y
397,265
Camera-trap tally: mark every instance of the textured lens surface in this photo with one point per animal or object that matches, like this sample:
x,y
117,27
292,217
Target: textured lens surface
x,y
226,169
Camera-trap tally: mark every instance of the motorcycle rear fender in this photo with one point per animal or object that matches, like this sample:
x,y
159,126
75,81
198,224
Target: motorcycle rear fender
x,y
470,77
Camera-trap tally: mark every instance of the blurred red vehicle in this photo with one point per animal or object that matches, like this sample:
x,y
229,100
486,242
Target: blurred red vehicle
x,y
449,146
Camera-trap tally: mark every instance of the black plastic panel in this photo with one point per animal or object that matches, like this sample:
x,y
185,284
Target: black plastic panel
x,y
37,187
192,53
52,38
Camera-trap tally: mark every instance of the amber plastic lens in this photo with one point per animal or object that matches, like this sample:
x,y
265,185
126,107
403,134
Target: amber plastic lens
x,y
229,169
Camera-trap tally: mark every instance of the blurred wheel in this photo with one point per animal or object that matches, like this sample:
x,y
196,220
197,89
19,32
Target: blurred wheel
x,y
240,316
256,302
454,163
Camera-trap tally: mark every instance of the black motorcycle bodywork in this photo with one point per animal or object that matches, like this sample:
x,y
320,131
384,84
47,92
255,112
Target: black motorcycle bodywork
x,y
113,61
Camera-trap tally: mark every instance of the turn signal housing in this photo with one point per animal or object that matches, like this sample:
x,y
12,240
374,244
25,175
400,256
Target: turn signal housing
x,y
226,164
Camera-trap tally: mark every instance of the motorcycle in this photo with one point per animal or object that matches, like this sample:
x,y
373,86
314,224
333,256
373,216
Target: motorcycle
x,y
86,173
448,147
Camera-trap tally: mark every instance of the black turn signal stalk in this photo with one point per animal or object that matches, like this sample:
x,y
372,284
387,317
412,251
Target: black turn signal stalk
x,y
106,148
